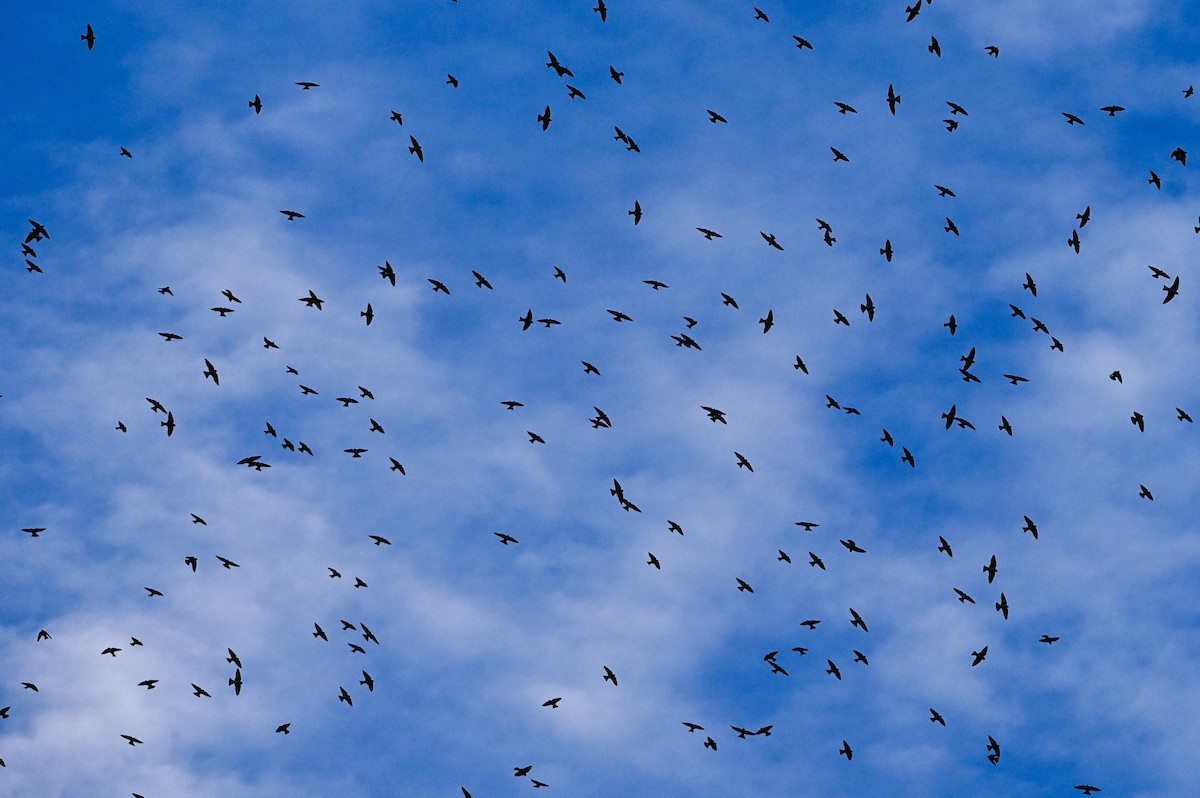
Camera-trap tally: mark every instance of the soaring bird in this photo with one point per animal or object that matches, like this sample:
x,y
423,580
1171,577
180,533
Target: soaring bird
x,y
88,36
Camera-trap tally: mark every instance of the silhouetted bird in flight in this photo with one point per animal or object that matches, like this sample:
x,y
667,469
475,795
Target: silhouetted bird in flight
x,y
415,149
893,99
935,717
609,676
256,104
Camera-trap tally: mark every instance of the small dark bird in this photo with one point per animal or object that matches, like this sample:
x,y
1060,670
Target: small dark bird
x,y
945,546
846,751
843,108
398,118
1030,527
305,85
534,437
344,696
544,118
1179,154
908,458
838,155
1138,421
1048,639
768,321
758,14
1087,788
951,325
1073,242
992,50
505,538
1072,119
935,717
1004,426
893,99
1144,493
415,149
256,104
552,703
944,192
131,740
857,620
609,676
438,285
868,308
653,561
951,227
1172,290
1155,180
88,36
852,546
615,75
934,47
714,117
742,462
557,67
283,728
979,656
770,239
559,274
815,562
1112,109
387,272
743,586
602,10
452,81
368,314
963,598
709,234
1002,605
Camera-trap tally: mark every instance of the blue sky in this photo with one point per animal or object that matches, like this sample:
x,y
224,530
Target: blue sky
x,y
474,635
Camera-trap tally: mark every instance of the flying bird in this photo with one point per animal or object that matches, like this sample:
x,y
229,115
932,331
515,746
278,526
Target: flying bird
x,y
88,36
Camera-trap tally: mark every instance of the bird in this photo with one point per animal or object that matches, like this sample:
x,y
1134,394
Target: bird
x,y
1172,290
283,728
893,99
368,314
520,772
852,547
714,117
345,697
554,64
944,546
886,250
951,325
552,703
438,285
990,569
709,235
770,239
1048,639
936,717
387,272
1144,493
1087,789
149,684
615,75
979,656
1155,180
292,215
1002,605
844,108
152,592
636,213
1179,154
743,586
126,153
544,118
609,676
714,414
415,149
1072,119
951,227
133,741
452,81
397,117
992,50
963,598
868,308
846,751
815,562
994,748
559,274
88,36
534,437
908,457
767,321
1112,110
1073,242
368,682
934,46
759,14
602,10
505,538
838,155
312,300
210,372
832,670
305,85
742,462
1030,527
857,620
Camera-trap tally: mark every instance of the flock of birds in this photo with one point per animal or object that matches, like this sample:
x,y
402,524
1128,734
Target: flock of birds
x,y
358,635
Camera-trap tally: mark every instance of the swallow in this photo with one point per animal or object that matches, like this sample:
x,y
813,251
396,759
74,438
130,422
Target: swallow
x,y
840,318
88,36
149,684
868,308
808,526
609,676
1087,788
192,562
228,563
714,117
1073,242
1014,379
376,427
505,538
415,148
368,682
1144,493
1179,154
559,274
126,153
520,772
557,67
979,656
743,586
770,239
312,300
893,99
992,50
956,110
574,92
768,321
815,562
305,85
222,312
742,462
994,747
657,285
236,682
602,10
672,526
151,592
526,320
1155,180
619,317
1138,421
857,620
838,155
714,414
653,561
908,458
30,686
950,416
1004,426
944,192
783,557
726,299
1112,110
552,703
1072,119
936,717
693,727
951,227
860,657
1030,527
1047,639
1182,415
886,250
844,108
832,670
912,11
534,437
438,285
132,740
710,743
398,118
615,75
588,368
1039,326
951,325
1172,290
387,272
451,81
709,235
887,438
368,314
37,233
852,546
1002,605
344,696
759,14
636,213
799,365
544,118
43,635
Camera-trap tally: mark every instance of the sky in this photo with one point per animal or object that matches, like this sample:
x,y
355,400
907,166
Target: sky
x,y
729,126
